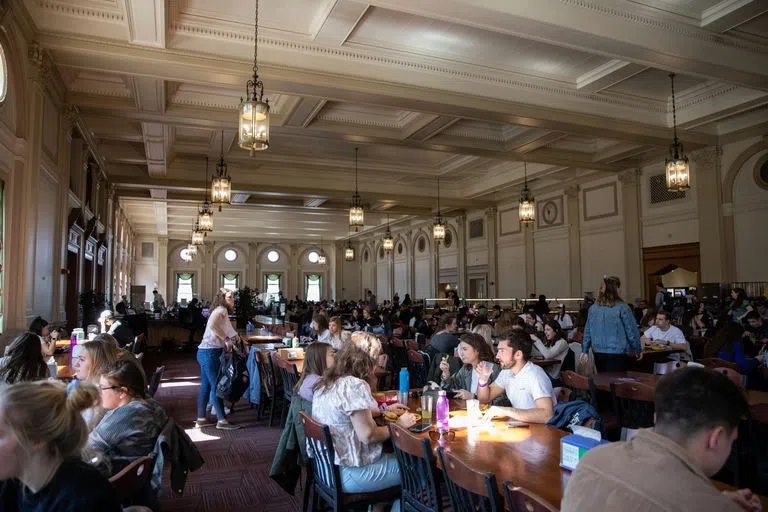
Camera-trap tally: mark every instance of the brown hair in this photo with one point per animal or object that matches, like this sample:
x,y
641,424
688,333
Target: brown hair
x,y
102,354
477,342
608,295
518,340
220,300
314,361
43,413
741,296
126,375
650,314
108,339
445,320
559,334
336,320
321,319
25,360
355,359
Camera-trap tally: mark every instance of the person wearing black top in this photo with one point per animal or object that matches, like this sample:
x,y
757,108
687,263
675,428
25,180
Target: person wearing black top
x,y
541,308
41,437
121,332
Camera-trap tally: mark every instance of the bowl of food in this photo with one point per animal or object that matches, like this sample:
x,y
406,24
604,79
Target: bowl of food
x,y
388,398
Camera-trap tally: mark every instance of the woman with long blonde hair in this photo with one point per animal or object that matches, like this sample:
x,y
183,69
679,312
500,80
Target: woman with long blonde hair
x,y
88,365
41,438
611,330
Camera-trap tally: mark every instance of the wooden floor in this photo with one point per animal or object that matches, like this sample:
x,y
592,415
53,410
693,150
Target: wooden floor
x,y
235,476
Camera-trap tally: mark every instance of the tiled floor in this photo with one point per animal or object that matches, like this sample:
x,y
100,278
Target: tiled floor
x,y
235,476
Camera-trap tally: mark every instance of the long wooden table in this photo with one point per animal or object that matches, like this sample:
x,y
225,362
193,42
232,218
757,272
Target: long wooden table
x,y
527,457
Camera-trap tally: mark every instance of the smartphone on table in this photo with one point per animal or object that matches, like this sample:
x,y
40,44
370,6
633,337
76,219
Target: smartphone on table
x,y
516,424
420,427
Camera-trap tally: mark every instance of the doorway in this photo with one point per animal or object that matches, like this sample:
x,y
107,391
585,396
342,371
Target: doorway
x,y
477,288
71,306
675,266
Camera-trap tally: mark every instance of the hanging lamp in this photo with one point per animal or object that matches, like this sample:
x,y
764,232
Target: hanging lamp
x,y
192,250
438,228
349,251
205,215
198,237
388,243
221,184
321,260
527,203
356,213
678,171
253,113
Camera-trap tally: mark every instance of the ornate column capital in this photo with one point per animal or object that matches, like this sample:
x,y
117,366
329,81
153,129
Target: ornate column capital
x,y
572,192
39,66
70,114
630,177
707,156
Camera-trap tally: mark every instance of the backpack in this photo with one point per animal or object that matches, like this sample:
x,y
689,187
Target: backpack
x,y
233,379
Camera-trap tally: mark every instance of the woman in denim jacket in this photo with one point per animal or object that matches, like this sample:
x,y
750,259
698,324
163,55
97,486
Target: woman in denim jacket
x,y
611,329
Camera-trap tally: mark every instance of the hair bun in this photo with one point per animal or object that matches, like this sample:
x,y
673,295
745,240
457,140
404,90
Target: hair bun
x,y
83,397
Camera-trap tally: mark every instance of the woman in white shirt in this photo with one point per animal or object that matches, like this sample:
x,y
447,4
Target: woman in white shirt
x,y
320,327
563,318
554,346
335,330
219,336
343,401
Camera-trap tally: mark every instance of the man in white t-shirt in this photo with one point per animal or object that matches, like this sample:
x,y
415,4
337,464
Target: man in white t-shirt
x,y
664,333
527,386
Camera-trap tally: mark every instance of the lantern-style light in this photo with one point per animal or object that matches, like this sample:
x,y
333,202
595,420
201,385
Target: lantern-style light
x,y
356,212
221,184
678,171
253,112
321,259
438,228
527,207
205,215
198,237
349,252
388,243
192,250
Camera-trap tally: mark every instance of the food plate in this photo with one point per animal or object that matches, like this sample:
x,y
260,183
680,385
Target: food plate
x,y
394,415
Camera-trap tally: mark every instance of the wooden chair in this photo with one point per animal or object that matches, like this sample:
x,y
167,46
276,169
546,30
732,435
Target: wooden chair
x,y
715,362
468,489
573,380
139,343
417,369
419,478
134,479
523,500
273,369
267,388
154,380
668,367
735,377
326,474
290,377
757,441
634,404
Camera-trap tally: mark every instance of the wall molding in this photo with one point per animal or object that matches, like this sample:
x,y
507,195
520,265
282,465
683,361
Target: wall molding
x,y
586,217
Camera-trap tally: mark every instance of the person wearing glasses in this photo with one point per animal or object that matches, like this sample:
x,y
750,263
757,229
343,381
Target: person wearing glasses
x,y
132,423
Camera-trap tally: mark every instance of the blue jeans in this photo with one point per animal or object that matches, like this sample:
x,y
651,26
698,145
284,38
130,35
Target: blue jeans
x,y
382,474
209,366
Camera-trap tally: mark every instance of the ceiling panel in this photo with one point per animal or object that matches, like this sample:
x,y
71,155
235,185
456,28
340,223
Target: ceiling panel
x,y
383,28
757,26
654,84
690,8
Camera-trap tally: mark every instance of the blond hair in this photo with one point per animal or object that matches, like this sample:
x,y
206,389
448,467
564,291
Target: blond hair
x,y
356,359
486,332
42,413
101,354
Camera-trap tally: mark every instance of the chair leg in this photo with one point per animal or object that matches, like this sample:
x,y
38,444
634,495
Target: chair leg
x,y
308,484
284,415
272,411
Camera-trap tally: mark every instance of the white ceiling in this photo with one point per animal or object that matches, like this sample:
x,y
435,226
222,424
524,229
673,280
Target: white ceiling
x,y
461,89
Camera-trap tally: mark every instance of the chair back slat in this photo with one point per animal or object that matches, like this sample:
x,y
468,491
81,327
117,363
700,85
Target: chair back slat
x,y
418,472
468,489
325,471
133,479
735,377
155,379
716,362
573,380
520,499
417,369
634,404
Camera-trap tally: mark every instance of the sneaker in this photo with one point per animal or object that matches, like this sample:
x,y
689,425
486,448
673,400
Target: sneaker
x,y
227,426
203,423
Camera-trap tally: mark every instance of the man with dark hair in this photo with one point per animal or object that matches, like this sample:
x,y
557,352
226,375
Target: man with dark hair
x,y
527,386
756,329
664,333
659,301
668,467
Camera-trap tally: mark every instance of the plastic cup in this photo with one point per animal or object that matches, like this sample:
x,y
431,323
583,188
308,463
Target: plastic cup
x,y
427,402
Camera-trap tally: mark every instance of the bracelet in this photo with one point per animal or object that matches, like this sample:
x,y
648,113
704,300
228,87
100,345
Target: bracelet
x,y
481,385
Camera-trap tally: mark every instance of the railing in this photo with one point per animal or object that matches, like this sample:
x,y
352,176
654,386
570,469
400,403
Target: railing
x,y
571,303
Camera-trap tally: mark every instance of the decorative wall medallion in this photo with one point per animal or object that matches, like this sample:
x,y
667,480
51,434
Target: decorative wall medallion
x,y
448,239
422,244
549,212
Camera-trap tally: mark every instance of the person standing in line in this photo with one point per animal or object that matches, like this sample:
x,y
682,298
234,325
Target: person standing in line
x,y
219,336
611,330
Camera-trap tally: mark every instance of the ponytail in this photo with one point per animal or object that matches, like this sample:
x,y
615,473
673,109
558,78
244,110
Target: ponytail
x,y
609,291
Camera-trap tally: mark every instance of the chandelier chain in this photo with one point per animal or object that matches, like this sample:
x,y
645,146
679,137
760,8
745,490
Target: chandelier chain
x,y
356,150
674,109
256,40
438,196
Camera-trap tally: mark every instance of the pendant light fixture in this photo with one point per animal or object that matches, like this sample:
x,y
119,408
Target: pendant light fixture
x,y
388,243
678,171
527,203
198,237
192,250
321,260
253,113
221,184
205,215
349,251
438,228
356,213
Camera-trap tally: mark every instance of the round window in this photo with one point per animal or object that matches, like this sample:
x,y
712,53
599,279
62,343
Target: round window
x,y
422,244
230,255
313,257
273,256
448,239
184,254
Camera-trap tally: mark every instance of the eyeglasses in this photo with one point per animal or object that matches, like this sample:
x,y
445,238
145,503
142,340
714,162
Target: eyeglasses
x,y
435,435
109,387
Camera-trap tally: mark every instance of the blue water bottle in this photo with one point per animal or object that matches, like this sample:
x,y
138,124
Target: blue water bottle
x,y
405,382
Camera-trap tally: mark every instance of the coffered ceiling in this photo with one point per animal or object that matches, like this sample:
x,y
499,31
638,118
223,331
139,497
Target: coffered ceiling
x,y
464,90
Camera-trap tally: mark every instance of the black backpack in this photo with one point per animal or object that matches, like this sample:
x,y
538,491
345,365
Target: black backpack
x,y
233,378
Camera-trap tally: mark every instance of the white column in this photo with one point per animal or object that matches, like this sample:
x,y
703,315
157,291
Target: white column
x,y
530,260
712,249
574,240
634,281
491,215
461,246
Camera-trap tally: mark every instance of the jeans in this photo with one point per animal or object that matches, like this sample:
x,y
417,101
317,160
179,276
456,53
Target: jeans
x,y
380,475
610,362
209,366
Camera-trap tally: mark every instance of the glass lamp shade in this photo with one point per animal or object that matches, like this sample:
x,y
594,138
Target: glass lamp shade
x,y
349,253
321,260
205,220
198,237
388,244
192,250
221,191
438,230
356,217
527,207
253,133
678,173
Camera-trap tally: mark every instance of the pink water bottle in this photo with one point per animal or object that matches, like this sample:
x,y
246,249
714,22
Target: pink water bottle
x,y
441,412
73,340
